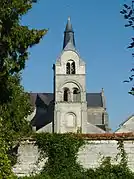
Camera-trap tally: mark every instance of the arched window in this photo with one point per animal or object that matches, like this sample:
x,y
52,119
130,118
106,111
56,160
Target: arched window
x,y
76,95
68,68
73,67
66,95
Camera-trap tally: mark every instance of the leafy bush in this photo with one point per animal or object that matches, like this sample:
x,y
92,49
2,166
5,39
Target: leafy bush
x,y
5,163
62,151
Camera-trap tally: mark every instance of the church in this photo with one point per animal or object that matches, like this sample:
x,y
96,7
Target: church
x,y
70,108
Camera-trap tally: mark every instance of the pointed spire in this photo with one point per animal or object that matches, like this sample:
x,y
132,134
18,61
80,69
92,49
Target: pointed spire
x,y
69,25
69,35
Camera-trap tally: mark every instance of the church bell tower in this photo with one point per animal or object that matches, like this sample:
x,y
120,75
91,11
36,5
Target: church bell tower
x,y
70,110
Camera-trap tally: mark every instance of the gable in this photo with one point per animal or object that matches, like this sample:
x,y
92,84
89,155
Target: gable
x,y
128,121
94,129
127,125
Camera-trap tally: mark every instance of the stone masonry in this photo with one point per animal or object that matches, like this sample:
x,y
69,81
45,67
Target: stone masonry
x,y
90,156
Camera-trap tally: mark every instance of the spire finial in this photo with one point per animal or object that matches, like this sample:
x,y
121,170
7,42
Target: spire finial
x,y
69,25
69,18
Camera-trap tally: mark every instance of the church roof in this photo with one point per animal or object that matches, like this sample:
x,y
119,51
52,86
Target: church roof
x,y
38,99
44,109
127,125
94,100
124,122
69,42
44,99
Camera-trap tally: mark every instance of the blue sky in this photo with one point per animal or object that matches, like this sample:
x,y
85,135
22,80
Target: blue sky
x,y
101,40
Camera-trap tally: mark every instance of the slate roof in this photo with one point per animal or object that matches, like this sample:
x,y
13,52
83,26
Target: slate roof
x,y
44,109
94,100
43,99
69,36
39,99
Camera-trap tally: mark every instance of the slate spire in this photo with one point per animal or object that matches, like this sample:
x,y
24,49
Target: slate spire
x,y
69,35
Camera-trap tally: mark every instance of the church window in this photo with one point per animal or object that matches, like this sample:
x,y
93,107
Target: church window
x,y
76,95
66,94
103,118
68,68
73,67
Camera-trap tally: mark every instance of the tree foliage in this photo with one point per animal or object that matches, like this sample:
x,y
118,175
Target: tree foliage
x,y
62,151
128,14
13,114
15,40
5,163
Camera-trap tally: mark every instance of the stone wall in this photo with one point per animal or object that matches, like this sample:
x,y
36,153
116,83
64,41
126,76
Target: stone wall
x,y
28,160
90,156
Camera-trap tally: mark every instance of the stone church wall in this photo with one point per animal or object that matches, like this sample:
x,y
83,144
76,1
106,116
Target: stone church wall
x,y
95,115
90,156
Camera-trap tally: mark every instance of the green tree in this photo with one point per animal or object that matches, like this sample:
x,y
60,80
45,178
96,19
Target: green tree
x,y
14,113
128,13
5,164
15,41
